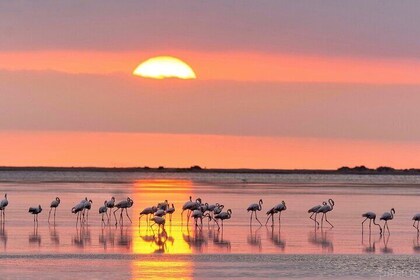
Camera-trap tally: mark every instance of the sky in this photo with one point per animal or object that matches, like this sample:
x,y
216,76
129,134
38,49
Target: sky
x,y
280,84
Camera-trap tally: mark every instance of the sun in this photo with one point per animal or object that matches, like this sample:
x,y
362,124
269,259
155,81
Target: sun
x,y
161,67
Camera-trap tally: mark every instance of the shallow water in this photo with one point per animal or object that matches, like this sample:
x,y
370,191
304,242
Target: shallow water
x,y
296,249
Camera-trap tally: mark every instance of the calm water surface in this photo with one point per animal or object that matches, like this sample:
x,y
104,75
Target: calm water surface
x,y
296,249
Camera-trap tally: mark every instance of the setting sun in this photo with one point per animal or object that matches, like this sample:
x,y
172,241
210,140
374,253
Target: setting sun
x,y
162,67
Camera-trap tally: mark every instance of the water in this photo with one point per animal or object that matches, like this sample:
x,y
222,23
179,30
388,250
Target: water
x,y
296,249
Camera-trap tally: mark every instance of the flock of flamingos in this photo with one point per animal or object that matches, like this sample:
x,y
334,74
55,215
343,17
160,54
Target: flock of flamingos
x,y
198,211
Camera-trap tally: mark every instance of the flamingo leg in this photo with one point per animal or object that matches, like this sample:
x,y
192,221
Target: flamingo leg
x,y
316,222
380,229
218,227
267,219
49,214
363,223
115,216
325,215
126,212
257,218
55,210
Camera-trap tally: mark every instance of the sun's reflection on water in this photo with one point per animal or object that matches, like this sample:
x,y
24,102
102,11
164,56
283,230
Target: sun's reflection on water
x,y
170,240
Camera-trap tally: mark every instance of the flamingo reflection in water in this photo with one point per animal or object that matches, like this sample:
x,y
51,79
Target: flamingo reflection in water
x,y
386,249
54,235
125,238
275,237
82,237
371,247
107,237
197,240
3,234
220,242
416,244
254,237
34,237
322,239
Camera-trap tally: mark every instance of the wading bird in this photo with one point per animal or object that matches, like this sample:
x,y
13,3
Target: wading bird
x,y
160,221
254,208
124,204
324,210
416,218
160,213
104,210
372,217
35,211
223,216
314,210
387,216
110,204
170,211
3,205
276,209
87,207
77,209
54,204
147,211
190,206
197,214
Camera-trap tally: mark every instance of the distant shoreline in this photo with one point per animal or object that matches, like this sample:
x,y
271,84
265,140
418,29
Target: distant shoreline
x,y
358,170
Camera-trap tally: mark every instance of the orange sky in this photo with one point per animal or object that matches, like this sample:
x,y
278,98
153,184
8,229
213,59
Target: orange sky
x,y
237,66
287,84
211,151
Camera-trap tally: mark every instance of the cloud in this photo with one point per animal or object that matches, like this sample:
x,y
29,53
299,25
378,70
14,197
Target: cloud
x,y
54,101
334,28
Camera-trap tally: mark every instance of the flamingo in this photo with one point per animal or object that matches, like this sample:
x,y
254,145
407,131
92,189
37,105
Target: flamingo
x,y
223,216
54,204
416,218
190,206
276,209
160,221
372,217
3,205
87,206
386,217
254,208
160,213
110,204
198,214
147,211
325,209
77,209
170,211
218,209
104,210
163,205
124,204
35,211
314,210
